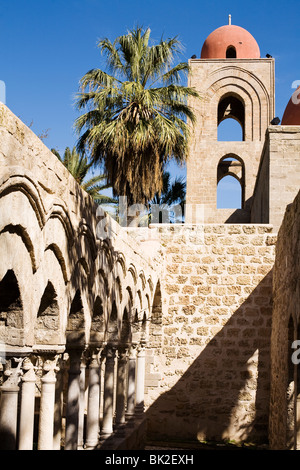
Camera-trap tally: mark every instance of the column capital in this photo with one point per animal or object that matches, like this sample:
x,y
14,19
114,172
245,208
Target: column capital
x,y
123,352
50,368
28,370
110,351
94,358
13,374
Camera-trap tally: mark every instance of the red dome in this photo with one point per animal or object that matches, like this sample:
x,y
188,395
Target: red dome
x,y
291,115
217,43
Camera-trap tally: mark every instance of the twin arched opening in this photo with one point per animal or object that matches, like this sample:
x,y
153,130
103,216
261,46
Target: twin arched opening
x,y
231,118
230,182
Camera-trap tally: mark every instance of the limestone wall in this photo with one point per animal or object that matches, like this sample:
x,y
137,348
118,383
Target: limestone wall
x,y
278,179
212,368
285,329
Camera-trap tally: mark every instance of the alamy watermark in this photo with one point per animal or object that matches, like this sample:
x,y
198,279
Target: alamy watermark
x,y
139,216
2,92
296,93
296,354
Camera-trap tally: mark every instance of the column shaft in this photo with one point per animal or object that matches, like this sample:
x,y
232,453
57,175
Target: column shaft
x,y
131,383
73,400
121,387
81,404
26,427
9,410
46,418
140,381
93,411
107,425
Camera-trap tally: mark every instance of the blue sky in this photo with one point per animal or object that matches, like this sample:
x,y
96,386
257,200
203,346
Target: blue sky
x,y
48,45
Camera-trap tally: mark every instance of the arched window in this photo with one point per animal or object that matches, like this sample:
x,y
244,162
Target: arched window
x,y
231,52
231,118
229,193
230,130
230,183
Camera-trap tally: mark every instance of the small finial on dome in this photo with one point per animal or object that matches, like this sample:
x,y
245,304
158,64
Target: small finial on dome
x,y
229,19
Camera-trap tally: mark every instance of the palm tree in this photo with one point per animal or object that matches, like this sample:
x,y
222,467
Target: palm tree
x,y
136,115
79,167
172,194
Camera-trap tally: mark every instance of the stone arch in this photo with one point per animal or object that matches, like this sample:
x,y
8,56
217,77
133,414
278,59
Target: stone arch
x,y
245,85
46,329
232,106
97,322
75,332
234,166
145,318
112,330
85,231
104,292
125,333
25,237
11,310
155,323
59,211
60,258
23,183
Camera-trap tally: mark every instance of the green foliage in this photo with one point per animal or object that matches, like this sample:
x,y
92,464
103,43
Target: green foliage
x,y
137,115
79,167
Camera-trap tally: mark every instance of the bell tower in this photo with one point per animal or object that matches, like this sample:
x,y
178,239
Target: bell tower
x,y
235,83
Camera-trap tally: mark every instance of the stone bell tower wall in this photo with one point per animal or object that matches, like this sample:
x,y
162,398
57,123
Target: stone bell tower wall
x,y
278,178
251,82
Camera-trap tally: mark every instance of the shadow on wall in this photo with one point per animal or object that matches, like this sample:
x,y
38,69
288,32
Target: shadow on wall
x,y
225,392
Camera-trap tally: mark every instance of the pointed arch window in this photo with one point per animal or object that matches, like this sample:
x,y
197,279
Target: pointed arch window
x,y
231,109
230,183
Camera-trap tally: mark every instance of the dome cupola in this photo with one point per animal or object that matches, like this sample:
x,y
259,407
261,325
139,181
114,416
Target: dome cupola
x,y
230,41
291,115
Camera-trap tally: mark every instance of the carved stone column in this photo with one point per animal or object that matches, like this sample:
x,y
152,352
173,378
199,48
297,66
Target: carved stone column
x,y
93,410
121,386
140,380
73,401
81,402
58,407
27,406
9,408
46,420
107,425
131,382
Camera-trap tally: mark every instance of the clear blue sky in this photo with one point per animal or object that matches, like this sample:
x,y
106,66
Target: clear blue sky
x,y
48,45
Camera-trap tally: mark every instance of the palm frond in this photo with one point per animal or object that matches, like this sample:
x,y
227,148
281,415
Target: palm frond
x,y
130,126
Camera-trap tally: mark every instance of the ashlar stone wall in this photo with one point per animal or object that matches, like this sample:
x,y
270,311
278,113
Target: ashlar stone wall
x,y
278,179
213,364
284,404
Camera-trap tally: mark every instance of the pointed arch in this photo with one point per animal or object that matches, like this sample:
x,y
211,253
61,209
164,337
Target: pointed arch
x,y
75,333
231,168
97,322
11,310
46,329
113,325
